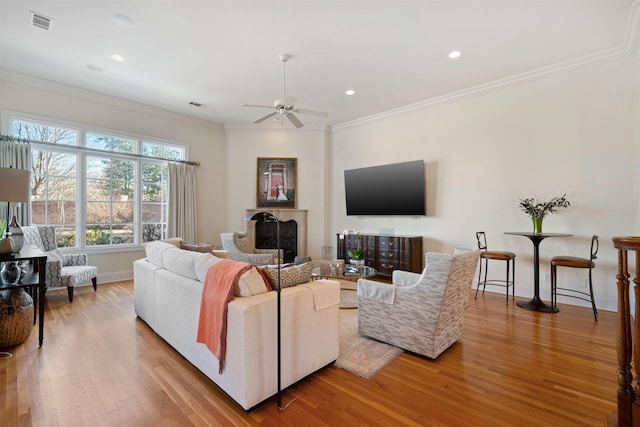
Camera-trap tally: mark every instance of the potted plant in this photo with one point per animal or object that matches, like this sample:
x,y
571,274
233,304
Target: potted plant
x,y
356,256
537,209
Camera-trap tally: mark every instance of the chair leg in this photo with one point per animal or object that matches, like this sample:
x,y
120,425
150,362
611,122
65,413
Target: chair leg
x,y
70,293
94,281
593,301
507,282
479,276
554,296
513,279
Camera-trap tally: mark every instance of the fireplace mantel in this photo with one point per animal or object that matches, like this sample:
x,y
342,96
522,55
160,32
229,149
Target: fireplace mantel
x,y
297,215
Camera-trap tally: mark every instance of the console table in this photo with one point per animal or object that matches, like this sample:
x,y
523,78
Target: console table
x,y
36,279
385,252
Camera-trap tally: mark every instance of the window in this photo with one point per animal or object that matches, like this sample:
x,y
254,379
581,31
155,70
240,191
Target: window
x,y
97,190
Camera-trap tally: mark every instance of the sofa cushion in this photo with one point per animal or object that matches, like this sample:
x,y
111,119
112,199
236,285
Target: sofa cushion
x,y
289,276
154,252
182,262
203,264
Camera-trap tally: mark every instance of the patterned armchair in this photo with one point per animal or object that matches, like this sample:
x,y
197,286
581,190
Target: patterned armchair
x,y
422,313
241,249
68,270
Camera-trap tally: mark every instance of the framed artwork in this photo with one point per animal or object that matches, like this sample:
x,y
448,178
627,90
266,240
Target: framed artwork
x,y
277,183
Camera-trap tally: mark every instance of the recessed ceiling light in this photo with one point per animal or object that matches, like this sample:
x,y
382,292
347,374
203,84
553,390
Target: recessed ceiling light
x,y
455,54
350,92
123,20
96,68
117,58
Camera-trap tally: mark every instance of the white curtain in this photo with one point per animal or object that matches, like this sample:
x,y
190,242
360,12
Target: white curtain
x,y
17,155
181,221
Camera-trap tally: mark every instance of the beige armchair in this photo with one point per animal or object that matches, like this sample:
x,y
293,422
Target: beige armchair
x,y
63,270
422,313
241,249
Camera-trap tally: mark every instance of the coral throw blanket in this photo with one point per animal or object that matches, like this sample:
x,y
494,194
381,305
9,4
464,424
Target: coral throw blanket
x,y
219,288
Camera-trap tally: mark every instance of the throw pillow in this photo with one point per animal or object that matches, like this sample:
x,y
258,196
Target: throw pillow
x,y
197,247
251,283
154,252
175,241
289,276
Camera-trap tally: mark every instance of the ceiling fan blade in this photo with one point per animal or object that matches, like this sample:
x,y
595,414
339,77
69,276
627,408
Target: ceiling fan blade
x,y
256,106
311,112
293,119
290,101
265,117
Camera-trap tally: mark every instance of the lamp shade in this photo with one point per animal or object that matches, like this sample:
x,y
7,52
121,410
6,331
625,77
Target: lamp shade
x,y
15,185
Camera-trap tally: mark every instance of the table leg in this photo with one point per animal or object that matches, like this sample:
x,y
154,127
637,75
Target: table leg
x,y
536,304
41,291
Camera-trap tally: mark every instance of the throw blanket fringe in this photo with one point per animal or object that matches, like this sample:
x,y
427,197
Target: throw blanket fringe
x,y
218,290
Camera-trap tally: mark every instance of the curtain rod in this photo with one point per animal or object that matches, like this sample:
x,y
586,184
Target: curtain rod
x,y
92,150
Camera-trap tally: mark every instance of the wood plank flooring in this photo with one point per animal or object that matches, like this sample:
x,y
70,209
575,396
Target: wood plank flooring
x,y
101,366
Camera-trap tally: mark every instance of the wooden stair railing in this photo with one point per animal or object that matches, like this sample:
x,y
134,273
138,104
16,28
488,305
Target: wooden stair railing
x,y
627,332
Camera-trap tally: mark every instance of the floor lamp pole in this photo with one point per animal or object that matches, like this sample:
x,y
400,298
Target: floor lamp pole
x,y
279,397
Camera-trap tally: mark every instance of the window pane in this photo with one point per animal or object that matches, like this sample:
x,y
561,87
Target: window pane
x,y
60,212
98,235
122,234
153,212
151,232
110,143
98,190
99,212
122,212
45,133
66,237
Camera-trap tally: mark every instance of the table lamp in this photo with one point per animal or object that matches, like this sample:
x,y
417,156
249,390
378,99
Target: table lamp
x,y
15,186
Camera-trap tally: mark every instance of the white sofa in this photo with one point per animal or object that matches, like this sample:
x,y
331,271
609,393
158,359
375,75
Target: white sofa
x,y
167,289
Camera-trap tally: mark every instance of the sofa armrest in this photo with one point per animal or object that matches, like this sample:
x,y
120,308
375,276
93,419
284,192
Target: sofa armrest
x,y
404,278
382,292
53,273
75,259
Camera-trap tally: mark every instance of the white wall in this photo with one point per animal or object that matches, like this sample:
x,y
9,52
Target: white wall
x,y
245,145
205,140
566,133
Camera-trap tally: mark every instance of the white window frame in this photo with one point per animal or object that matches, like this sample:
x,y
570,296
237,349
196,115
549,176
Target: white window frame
x,y
8,118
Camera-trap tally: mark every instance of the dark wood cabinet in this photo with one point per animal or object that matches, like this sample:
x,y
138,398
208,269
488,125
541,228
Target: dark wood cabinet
x,y
385,253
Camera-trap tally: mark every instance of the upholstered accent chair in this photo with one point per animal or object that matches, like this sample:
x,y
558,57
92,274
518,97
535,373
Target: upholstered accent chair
x,y
241,249
68,270
422,313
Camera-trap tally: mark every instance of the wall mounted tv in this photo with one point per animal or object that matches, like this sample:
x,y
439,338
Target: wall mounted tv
x,y
394,189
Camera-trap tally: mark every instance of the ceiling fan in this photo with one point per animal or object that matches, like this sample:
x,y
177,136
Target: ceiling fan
x,y
285,107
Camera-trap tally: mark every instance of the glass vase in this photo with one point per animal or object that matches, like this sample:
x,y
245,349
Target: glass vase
x,y
537,225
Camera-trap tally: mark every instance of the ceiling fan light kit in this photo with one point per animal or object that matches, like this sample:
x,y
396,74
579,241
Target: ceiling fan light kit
x,y
285,108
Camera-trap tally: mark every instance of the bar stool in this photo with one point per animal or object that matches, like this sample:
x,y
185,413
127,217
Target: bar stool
x,y
485,256
574,262
628,331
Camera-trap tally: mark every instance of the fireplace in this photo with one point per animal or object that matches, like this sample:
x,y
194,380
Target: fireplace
x,y
293,231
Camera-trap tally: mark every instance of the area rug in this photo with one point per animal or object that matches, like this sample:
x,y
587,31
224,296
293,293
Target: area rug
x,y
360,355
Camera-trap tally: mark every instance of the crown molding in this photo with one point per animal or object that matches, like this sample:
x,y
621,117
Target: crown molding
x,y
630,47
275,127
113,101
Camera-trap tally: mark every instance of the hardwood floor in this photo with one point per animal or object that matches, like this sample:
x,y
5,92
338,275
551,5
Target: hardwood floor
x,y
101,366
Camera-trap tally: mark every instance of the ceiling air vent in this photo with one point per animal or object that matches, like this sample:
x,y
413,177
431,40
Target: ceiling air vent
x,y
40,21
196,104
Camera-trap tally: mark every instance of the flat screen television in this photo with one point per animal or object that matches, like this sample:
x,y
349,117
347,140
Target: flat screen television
x,y
393,189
